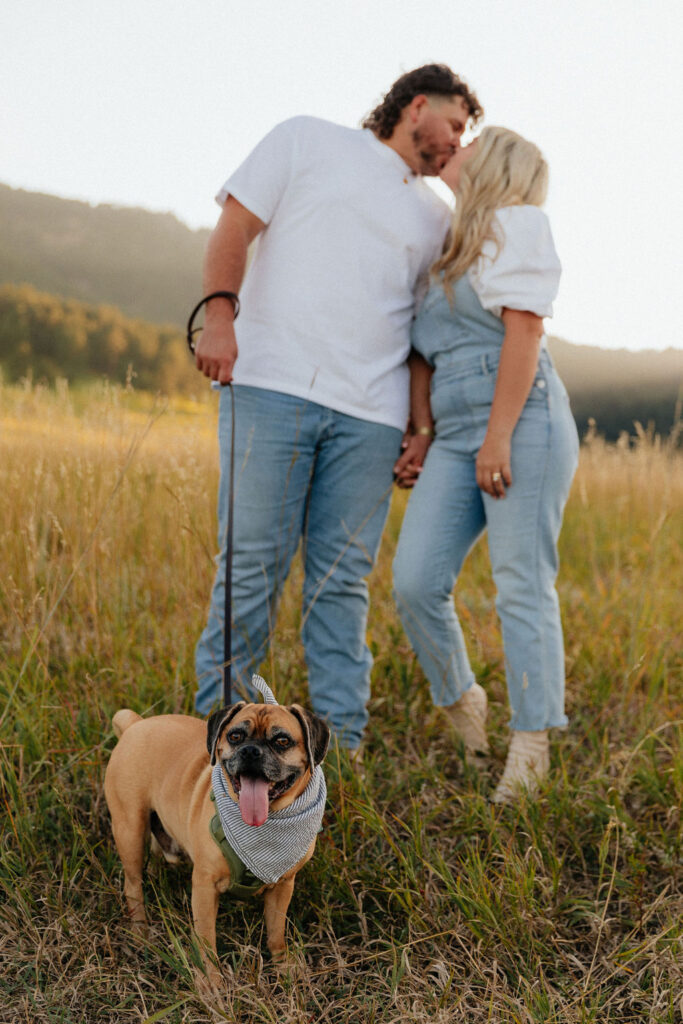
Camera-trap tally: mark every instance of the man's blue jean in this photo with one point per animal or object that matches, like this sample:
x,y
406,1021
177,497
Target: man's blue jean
x,y
302,472
447,513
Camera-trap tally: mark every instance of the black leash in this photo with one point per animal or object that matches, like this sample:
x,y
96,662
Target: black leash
x,y
227,622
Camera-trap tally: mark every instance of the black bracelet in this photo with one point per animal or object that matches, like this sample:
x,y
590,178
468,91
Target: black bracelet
x,y
234,299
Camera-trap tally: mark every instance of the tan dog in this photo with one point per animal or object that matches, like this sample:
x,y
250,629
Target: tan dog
x,y
158,781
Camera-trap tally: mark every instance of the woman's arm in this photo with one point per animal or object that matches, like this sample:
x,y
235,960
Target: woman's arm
x,y
421,427
516,372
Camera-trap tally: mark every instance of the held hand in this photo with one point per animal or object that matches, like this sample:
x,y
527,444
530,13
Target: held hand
x,y
408,466
493,466
216,351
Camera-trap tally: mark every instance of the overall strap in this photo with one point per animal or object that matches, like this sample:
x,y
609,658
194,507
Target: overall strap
x,y
243,884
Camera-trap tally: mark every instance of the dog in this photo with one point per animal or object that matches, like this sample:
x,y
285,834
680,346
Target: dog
x,y
183,782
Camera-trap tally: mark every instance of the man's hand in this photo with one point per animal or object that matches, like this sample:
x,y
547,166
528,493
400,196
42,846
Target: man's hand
x,y
408,466
216,350
224,265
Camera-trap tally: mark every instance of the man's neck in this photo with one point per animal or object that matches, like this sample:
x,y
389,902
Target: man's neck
x,y
403,147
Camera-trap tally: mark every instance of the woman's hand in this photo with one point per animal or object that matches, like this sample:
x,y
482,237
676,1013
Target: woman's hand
x,y
516,372
493,466
408,466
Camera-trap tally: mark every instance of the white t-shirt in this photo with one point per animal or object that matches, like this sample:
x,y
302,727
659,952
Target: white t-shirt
x,y
524,271
327,302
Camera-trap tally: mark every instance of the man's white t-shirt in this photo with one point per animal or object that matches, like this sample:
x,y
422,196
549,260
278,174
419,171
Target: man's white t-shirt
x,y
328,299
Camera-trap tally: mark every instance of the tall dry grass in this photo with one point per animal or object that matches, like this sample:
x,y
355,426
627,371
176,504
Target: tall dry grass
x,y
423,902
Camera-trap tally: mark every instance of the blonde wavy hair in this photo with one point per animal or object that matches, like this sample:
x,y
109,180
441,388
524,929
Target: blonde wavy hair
x,y
505,170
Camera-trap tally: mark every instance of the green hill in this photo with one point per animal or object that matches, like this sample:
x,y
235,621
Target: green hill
x,y
147,264
114,274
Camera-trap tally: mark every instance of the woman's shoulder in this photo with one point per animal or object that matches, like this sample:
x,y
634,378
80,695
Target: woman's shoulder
x,y
523,214
524,225
522,235
520,269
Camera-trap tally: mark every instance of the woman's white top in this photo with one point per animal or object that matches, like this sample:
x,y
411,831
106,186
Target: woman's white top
x,y
524,273
520,271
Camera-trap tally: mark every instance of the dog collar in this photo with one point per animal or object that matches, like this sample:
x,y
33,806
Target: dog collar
x,y
243,884
272,849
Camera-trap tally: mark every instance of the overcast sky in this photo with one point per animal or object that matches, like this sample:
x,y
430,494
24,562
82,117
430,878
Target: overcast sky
x,y
152,103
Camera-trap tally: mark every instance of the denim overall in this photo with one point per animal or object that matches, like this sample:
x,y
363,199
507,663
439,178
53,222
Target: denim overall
x,y
448,512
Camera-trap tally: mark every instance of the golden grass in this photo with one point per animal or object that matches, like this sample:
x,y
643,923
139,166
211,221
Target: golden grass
x,y
422,903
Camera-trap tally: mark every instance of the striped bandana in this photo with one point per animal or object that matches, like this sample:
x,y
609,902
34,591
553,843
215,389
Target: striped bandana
x,y
272,849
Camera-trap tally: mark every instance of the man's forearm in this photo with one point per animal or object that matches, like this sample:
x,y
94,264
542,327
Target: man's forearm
x,y
420,377
224,266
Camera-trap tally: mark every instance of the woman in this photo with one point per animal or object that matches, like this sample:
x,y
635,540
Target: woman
x,y
503,456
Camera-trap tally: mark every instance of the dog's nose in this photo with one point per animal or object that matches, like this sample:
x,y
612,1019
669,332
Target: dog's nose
x,y
252,752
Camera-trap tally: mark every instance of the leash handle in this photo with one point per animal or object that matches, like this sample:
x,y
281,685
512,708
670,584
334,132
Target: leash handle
x,y
191,330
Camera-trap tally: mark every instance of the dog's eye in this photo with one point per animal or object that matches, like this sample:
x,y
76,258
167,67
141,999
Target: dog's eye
x,y
235,736
283,743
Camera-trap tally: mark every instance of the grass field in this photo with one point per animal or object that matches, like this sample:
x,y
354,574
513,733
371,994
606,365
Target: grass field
x,y
423,902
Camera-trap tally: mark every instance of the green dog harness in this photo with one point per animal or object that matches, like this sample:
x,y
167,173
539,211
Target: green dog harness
x,y
243,884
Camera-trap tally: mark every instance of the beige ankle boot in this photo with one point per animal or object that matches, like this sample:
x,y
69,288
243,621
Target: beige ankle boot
x,y
528,762
468,718
356,755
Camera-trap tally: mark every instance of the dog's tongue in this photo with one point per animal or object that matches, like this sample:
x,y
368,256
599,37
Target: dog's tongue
x,y
253,800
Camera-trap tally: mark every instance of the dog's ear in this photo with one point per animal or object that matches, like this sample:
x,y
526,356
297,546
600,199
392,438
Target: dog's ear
x,y
215,724
316,734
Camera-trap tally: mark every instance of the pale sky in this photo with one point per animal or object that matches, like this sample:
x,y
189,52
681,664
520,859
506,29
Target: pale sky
x,y
153,102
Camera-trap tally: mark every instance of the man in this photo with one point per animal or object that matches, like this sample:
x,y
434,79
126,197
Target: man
x,y
346,229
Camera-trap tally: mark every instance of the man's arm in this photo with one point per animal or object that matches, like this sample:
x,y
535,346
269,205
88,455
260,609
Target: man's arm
x,y
224,266
418,437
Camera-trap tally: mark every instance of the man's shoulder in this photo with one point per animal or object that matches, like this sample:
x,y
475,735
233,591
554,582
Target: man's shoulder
x,y
315,142
301,138
312,127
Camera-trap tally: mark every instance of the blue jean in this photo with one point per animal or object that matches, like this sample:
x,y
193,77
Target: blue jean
x,y
446,514
302,472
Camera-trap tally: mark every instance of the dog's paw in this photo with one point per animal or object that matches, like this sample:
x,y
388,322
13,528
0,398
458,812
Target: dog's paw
x,y
133,937
138,929
289,967
211,984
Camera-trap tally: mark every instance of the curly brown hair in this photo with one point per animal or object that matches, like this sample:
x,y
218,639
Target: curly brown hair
x,y
430,79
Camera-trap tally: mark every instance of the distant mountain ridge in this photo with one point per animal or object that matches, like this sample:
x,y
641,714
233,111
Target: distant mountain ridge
x,y
617,387
148,265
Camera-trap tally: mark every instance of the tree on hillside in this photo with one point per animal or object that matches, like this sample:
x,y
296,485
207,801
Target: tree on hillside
x,y
46,337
